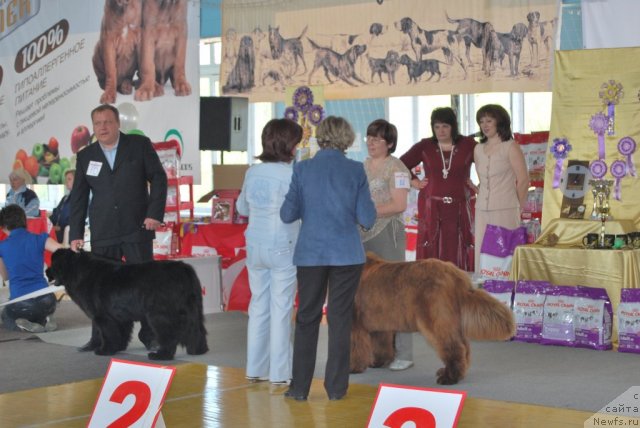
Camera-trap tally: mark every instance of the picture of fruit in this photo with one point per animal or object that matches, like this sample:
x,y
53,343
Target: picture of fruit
x,y
65,163
17,164
55,173
32,166
38,151
53,145
43,171
21,155
79,138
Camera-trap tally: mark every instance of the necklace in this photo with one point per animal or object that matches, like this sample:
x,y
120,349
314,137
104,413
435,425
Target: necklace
x,y
445,168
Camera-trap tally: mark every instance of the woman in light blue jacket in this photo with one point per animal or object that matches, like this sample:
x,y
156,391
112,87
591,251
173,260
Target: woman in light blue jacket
x,y
330,194
270,245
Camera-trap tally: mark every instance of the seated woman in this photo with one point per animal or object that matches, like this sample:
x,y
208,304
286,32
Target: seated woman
x,y
22,262
60,215
22,196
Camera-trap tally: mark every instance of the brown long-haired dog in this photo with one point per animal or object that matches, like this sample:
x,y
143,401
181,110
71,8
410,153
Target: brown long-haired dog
x,y
115,58
432,297
163,50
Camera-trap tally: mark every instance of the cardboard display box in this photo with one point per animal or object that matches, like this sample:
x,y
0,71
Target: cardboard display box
x,y
226,177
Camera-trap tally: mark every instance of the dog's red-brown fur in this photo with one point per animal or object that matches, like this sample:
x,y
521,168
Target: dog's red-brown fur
x,y
432,297
163,49
115,58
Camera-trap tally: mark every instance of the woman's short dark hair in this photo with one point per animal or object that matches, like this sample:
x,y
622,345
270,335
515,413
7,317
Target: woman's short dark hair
x,y
13,217
503,121
385,130
448,116
279,138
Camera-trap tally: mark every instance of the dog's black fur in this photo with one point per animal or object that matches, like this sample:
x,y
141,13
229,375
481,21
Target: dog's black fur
x,y
164,295
539,32
341,66
279,45
241,78
415,69
473,32
511,46
424,41
388,65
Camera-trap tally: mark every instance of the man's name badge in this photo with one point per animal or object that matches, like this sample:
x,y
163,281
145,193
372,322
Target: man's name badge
x,y
94,168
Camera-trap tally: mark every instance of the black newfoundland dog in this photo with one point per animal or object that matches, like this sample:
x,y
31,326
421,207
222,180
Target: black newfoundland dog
x,y
165,296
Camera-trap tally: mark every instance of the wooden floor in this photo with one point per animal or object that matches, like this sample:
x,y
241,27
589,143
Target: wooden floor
x,y
208,396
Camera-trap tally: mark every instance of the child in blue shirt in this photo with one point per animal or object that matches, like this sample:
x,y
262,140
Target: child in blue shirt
x,y
22,262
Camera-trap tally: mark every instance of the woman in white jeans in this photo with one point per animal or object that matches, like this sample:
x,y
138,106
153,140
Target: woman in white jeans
x,y
270,245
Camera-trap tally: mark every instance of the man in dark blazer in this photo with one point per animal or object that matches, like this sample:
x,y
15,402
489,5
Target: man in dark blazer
x,y
121,183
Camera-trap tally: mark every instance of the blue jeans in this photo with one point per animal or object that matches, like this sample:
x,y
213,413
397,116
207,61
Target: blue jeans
x,y
35,310
272,280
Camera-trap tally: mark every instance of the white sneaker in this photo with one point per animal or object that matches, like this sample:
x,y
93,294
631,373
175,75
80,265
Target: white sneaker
x,y
255,379
51,325
31,327
397,365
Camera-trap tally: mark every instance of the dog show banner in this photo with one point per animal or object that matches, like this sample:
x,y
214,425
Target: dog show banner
x,y
396,405
60,59
366,49
132,395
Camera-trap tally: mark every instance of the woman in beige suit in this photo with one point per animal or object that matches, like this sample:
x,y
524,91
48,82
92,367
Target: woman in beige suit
x,y
503,175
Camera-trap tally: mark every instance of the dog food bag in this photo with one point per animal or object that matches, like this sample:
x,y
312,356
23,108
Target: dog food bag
x,y
629,321
557,319
528,307
501,290
593,318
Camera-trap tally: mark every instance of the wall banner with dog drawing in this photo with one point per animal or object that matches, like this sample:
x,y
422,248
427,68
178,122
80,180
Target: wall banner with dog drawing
x,y
362,49
60,59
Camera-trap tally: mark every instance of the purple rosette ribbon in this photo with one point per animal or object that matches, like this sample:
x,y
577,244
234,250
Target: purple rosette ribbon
x,y
598,124
598,169
303,98
618,170
291,113
315,114
560,150
627,147
610,93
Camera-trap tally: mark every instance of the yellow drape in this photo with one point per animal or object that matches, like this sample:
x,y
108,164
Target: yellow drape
x,y
578,77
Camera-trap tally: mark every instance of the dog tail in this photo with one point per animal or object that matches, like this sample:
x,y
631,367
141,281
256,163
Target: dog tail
x,y
451,21
314,44
304,31
484,317
196,334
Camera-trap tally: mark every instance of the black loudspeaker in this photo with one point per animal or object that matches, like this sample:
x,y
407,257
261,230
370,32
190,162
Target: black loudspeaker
x,y
224,123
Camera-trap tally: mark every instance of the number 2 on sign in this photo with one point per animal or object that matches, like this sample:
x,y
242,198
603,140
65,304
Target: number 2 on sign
x,y
142,394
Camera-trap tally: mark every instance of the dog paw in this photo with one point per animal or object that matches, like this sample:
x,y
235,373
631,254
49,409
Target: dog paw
x,y
100,351
108,97
182,88
445,378
160,356
159,90
144,93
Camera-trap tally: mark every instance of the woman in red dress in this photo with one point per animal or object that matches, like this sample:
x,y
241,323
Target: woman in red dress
x,y
445,210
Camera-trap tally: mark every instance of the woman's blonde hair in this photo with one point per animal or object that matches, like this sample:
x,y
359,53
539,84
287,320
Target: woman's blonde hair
x,y
335,133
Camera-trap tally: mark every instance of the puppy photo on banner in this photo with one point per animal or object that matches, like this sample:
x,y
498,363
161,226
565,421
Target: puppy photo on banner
x,y
356,49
